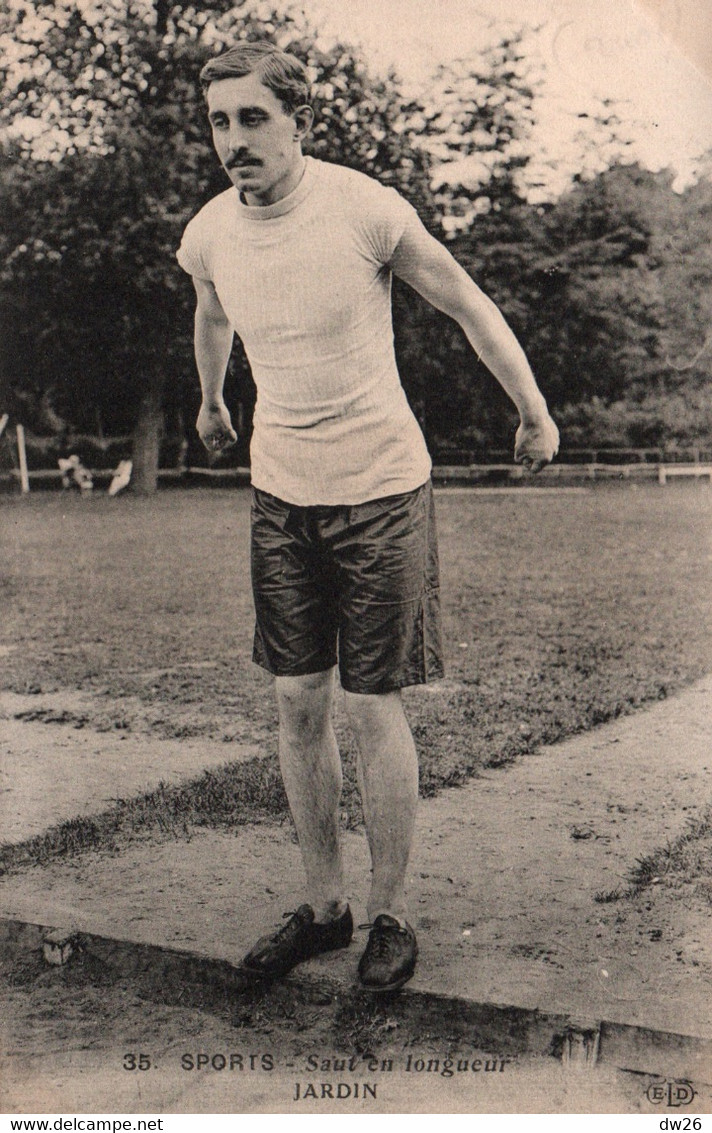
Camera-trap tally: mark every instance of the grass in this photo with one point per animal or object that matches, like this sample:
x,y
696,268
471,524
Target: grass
x,y
684,863
560,612
249,791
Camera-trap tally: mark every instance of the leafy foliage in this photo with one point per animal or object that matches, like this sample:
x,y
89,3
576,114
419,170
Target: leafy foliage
x,y
603,288
633,287
476,120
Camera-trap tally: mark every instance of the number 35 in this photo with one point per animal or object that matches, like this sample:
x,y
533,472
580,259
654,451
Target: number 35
x,y
137,1062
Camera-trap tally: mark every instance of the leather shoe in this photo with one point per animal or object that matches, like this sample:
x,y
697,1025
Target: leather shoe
x,y
299,939
389,959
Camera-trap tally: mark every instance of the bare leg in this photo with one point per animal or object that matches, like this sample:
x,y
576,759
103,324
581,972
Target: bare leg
x,y
311,770
388,778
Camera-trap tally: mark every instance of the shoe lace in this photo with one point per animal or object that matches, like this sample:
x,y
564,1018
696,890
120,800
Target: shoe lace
x,y
293,925
380,940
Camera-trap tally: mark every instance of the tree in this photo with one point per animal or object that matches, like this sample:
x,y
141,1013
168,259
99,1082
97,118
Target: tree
x,y
475,122
98,250
621,312
609,289
684,253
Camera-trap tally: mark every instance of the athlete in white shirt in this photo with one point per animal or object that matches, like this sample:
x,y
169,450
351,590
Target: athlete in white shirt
x,y
297,258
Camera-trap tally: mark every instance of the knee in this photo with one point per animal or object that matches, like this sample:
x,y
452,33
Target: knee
x,y
374,717
304,706
302,726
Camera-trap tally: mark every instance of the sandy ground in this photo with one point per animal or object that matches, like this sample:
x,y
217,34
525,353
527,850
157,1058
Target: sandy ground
x,y
88,770
502,886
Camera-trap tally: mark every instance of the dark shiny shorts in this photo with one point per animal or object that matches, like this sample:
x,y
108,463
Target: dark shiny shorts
x,y
356,585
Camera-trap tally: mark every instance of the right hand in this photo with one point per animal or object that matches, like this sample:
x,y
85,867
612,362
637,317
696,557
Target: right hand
x,y
215,427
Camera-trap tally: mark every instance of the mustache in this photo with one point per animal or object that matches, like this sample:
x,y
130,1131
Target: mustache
x,y
242,159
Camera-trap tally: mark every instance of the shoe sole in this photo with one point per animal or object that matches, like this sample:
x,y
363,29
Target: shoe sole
x,y
395,986
261,974
264,977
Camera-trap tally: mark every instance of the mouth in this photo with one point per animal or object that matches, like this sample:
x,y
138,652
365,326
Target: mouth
x,y
244,166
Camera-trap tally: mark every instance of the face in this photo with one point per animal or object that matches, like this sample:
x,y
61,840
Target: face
x,y
257,141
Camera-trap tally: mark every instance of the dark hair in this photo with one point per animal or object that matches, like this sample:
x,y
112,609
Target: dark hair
x,y
281,72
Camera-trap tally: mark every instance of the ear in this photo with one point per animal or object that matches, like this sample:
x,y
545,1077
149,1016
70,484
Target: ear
x,y
303,121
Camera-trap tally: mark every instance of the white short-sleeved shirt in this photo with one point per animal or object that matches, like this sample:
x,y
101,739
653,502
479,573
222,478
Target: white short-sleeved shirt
x,y
306,285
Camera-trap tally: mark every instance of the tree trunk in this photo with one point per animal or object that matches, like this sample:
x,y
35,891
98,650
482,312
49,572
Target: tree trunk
x,y
146,441
162,8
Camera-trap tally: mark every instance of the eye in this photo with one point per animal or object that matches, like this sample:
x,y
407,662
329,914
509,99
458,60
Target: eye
x,y
219,123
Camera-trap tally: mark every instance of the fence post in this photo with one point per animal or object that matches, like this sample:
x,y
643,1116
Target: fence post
x,y
22,453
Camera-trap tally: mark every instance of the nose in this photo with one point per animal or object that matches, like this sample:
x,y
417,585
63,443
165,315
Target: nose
x,y
236,138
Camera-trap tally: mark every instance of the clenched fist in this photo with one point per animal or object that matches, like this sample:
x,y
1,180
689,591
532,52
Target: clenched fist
x,y
536,443
215,427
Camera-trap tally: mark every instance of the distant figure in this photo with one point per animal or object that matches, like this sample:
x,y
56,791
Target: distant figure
x,y
74,474
122,475
297,258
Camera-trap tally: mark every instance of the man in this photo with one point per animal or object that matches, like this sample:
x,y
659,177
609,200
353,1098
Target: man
x,y
297,258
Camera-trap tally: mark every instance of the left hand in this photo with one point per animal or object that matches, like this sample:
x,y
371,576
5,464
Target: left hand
x,y
536,443
215,427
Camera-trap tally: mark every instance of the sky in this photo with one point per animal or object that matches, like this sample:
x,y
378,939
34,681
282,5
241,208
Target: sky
x,y
589,50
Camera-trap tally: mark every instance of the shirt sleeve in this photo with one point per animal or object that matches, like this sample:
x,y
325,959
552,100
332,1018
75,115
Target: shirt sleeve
x,y
385,217
192,254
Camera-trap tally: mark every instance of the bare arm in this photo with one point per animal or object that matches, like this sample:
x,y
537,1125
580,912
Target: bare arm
x,y
423,263
213,343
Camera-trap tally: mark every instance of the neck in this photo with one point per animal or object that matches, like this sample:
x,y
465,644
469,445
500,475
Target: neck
x,y
281,188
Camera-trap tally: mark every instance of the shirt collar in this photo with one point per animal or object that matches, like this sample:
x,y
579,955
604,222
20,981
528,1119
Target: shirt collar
x,y
285,204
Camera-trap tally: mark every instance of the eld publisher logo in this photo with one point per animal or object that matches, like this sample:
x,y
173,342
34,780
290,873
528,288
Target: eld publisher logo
x,y
674,1094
